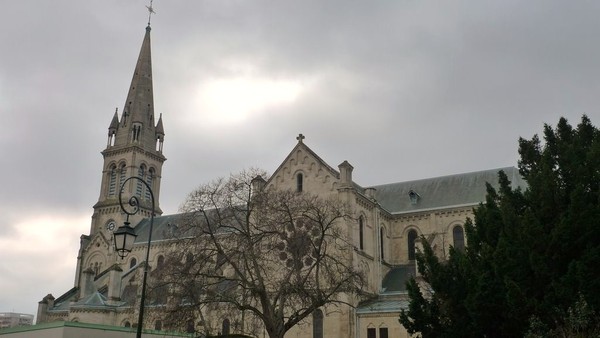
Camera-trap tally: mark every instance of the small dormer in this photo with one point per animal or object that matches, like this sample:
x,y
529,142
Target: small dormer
x,y
414,197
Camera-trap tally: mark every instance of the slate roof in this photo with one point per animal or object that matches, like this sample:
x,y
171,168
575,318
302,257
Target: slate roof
x,y
467,189
171,227
382,305
445,191
395,280
62,302
165,227
95,300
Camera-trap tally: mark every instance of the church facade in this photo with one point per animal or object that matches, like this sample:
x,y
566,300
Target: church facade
x,y
390,219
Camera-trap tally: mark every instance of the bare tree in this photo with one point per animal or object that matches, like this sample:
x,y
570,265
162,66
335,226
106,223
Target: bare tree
x,y
263,257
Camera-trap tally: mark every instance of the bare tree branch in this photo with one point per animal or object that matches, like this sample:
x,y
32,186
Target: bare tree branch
x,y
264,257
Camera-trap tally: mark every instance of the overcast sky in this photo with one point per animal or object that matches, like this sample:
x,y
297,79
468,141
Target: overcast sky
x,y
401,89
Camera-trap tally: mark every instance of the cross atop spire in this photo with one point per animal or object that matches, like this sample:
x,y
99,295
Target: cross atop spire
x,y
137,124
300,137
150,12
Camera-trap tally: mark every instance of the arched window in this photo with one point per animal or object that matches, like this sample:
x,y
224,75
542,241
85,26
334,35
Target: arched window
x,y
299,182
127,324
318,324
190,326
140,186
149,179
412,238
112,181
132,262
381,236
189,258
122,173
160,261
458,237
361,233
158,325
225,328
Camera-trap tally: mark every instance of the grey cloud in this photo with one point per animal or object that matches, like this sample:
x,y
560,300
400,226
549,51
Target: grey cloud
x,y
403,90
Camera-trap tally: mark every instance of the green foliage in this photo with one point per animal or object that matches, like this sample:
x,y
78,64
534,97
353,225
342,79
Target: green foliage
x,y
580,321
531,264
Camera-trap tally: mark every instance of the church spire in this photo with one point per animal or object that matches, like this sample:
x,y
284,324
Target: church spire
x,y
137,119
134,148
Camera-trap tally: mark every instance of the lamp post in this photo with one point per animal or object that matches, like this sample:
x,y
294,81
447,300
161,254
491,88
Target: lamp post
x,y
125,236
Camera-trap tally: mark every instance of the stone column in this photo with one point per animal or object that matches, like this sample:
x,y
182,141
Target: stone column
x,y
114,283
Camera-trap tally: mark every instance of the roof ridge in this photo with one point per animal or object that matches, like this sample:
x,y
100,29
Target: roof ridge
x,y
442,176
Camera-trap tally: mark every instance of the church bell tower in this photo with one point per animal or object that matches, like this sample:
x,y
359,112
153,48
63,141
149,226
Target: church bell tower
x,y
134,148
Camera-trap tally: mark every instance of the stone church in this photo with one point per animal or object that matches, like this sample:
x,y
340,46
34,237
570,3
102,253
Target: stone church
x,y
390,219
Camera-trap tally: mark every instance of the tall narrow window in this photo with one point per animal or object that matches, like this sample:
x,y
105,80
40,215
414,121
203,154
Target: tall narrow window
x,y
371,332
122,173
158,325
383,332
458,237
381,236
140,186
160,261
225,328
190,326
149,179
412,237
318,324
136,132
112,181
132,262
299,182
361,233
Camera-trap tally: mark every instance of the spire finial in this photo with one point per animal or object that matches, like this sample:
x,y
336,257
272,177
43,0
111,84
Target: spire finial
x,y
300,138
150,12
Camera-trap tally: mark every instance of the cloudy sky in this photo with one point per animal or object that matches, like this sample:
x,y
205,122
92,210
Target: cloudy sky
x,y
401,89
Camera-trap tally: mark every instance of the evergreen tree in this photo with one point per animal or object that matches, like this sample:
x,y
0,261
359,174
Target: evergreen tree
x,y
533,256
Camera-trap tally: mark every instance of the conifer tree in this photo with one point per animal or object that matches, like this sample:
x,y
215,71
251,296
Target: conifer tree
x,y
531,266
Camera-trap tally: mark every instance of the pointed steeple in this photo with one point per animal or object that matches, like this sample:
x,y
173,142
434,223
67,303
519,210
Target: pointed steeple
x,y
112,129
160,134
137,119
134,149
159,127
114,124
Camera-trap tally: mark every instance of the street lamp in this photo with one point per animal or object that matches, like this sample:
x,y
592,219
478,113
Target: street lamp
x,y
125,236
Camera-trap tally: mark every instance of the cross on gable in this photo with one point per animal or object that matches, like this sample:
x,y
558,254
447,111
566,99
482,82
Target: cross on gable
x,y
300,138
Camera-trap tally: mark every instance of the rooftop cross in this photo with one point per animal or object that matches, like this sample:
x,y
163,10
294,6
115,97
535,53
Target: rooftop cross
x,y
300,138
150,12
